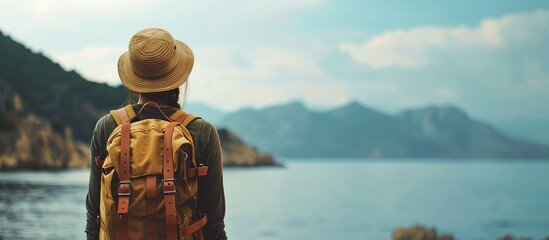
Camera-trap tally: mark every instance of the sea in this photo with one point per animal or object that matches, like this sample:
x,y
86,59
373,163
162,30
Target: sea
x,y
321,199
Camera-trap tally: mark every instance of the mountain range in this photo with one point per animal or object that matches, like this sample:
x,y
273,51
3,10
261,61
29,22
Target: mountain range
x,y
357,131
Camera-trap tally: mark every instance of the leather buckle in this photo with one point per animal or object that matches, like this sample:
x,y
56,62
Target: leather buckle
x,y
168,185
124,188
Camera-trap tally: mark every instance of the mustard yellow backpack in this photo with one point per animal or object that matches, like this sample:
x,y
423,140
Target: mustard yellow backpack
x,y
149,181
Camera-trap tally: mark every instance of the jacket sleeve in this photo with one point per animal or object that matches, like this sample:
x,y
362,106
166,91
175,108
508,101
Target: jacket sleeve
x,y
211,195
98,148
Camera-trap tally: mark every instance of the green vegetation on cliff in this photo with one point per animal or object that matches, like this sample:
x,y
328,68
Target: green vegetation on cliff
x,y
47,90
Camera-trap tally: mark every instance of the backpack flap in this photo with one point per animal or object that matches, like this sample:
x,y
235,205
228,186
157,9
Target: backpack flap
x,y
146,144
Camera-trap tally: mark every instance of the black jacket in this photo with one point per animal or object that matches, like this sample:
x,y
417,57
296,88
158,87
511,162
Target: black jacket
x,y
208,151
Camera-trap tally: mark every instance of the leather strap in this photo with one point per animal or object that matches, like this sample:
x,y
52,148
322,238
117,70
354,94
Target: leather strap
x,y
157,107
123,227
187,120
124,187
150,226
169,181
197,171
98,161
176,114
129,112
195,227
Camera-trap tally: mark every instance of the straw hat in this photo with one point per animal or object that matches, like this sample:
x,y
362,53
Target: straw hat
x,y
155,62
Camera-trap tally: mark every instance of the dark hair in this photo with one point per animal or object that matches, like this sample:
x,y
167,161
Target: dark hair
x,y
170,97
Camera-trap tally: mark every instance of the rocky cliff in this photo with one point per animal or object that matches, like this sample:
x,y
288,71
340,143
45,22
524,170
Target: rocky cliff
x,y
30,143
236,153
419,232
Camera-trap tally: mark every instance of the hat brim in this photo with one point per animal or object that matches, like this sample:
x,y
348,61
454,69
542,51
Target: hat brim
x,y
169,81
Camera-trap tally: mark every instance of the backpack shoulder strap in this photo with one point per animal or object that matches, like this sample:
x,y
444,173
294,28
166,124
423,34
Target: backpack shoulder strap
x,y
124,187
180,117
200,170
129,111
187,119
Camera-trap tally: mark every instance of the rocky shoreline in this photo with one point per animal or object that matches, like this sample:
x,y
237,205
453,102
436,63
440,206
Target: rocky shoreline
x,y
238,154
27,142
419,232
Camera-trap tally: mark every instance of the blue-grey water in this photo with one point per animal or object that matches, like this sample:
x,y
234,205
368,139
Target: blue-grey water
x,y
325,199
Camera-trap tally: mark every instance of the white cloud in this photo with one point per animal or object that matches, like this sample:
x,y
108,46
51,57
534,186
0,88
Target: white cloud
x,y
446,92
264,76
232,96
43,6
218,80
496,69
269,62
95,63
103,20
415,47
257,64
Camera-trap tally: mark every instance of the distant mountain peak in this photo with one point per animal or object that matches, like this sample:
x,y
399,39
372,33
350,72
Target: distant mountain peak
x,y
296,104
355,108
438,112
350,107
293,106
354,104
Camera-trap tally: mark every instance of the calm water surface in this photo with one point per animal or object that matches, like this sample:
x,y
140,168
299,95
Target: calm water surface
x,y
320,200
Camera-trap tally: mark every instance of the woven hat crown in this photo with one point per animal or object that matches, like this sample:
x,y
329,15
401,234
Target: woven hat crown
x,y
152,53
155,62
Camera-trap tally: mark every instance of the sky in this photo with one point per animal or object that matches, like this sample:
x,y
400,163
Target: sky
x,y
488,57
